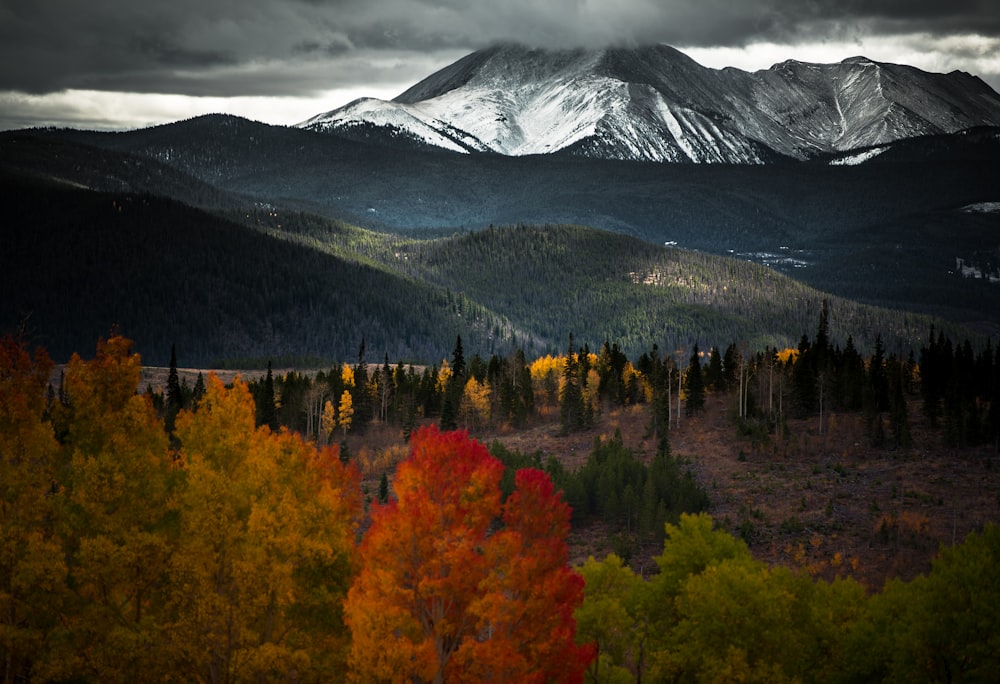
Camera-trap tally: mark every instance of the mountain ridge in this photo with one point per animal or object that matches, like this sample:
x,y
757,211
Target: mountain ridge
x,y
655,103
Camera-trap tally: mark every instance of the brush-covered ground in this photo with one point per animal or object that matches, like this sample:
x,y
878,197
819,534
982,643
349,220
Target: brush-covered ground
x,y
823,501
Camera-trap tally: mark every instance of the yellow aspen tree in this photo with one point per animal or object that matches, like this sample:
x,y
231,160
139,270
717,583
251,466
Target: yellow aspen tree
x,y
476,403
266,552
347,376
328,421
443,377
117,518
546,379
345,412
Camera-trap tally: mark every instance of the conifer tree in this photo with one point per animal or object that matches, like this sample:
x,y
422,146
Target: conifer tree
x,y
898,418
714,378
383,489
267,412
174,400
695,384
361,394
453,389
571,411
199,390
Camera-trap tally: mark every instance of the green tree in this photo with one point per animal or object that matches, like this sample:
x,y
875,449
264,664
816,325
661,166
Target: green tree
x,y
453,388
362,396
615,617
940,627
174,399
714,378
571,406
267,409
199,390
695,383
383,489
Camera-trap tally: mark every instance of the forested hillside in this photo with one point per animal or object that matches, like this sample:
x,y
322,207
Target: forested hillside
x,y
248,285
78,263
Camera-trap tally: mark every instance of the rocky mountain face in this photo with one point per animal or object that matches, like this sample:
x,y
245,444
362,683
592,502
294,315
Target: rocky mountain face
x,y
657,104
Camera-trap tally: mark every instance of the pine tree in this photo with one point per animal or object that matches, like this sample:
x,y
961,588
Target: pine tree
x,y
453,390
571,411
695,384
199,389
878,378
898,419
174,400
362,396
267,412
714,378
458,360
383,489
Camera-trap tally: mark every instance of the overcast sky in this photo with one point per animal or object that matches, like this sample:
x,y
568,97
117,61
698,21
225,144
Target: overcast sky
x,y
116,64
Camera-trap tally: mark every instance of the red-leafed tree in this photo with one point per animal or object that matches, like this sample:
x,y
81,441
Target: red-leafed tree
x,y
458,586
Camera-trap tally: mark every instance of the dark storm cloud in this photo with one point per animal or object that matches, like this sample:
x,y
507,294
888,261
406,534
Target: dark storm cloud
x,y
287,47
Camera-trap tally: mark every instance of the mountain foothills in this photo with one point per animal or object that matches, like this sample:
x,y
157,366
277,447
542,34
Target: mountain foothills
x,y
240,287
287,242
656,104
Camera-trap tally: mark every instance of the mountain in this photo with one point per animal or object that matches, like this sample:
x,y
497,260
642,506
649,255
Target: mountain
x,y
656,104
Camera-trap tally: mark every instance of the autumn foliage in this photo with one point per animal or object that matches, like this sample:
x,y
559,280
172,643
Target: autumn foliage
x,y
225,551
457,585
124,559
230,552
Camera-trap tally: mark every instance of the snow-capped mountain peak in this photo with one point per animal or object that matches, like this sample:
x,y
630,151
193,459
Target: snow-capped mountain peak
x,y
655,103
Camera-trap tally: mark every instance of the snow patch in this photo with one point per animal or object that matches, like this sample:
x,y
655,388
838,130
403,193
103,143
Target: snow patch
x,y
982,208
859,158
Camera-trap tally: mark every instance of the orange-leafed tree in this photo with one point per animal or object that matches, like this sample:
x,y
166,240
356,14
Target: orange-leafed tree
x,y
457,585
32,565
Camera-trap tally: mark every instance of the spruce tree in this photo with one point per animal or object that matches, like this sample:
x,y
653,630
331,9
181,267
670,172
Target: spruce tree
x,y
453,391
383,489
571,413
199,389
267,412
714,378
695,384
362,397
174,400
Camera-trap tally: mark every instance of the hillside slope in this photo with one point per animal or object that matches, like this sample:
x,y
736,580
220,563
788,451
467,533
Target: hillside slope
x,y
265,283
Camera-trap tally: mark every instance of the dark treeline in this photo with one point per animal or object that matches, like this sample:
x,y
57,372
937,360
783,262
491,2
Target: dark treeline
x,y
955,386
76,262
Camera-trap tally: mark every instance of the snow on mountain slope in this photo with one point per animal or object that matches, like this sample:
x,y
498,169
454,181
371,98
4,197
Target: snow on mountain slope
x,y
407,120
655,103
